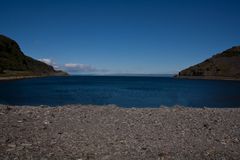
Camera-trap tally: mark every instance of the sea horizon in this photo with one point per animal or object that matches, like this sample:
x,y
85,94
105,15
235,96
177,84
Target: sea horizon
x,y
128,74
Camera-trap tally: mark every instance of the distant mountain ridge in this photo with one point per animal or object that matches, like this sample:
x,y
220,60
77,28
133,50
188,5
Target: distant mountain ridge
x,y
13,62
225,65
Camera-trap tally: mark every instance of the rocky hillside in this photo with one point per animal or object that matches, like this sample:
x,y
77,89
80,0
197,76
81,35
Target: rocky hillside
x,y
13,62
225,65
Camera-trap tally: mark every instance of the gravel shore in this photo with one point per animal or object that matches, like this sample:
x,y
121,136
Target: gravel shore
x,y
81,132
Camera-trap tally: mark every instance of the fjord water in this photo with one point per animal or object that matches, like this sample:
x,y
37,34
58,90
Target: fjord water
x,y
120,90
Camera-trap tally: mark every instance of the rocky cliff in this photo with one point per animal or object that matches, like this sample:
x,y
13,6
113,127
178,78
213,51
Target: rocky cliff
x,y
225,65
13,62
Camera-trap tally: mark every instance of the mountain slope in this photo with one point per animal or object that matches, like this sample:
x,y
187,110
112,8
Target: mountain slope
x,y
13,62
225,65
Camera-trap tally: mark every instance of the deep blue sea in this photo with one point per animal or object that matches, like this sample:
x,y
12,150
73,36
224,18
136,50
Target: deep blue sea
x,y
120,90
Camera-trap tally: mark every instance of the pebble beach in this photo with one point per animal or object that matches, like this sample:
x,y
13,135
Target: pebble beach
x,y
86,132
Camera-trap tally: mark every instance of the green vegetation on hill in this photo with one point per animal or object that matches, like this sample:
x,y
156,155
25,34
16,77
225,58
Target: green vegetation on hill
x,y
225,65
13,62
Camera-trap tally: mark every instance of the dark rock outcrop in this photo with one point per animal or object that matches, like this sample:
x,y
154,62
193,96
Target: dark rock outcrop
x,y
225,65
13,62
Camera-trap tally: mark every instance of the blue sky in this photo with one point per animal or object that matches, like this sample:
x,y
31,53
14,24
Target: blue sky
x,y
122,36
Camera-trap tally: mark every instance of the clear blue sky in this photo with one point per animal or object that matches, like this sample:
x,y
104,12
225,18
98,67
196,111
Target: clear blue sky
x,y
122,36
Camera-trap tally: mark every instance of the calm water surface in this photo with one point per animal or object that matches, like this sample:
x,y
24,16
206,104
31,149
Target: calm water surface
x,y
122,91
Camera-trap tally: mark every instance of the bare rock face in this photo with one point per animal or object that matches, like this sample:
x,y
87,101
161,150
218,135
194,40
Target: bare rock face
x,y
225,65
9,46
13,62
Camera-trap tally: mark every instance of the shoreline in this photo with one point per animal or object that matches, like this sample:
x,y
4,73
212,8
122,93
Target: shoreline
x,y
176,77
110,132
207,78
19,77
28,77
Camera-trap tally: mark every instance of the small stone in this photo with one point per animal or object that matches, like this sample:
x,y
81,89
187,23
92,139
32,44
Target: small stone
x,y
223,142
46,122
53,115
44,128
106,157
161,155
9,150
8,108
144,148
12,145
122,141
206,125
235,140
26,144
20,148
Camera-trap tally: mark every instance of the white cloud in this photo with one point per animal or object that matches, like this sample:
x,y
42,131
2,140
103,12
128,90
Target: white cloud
x,y
50,62
56,67
72,67
47,61
81,68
